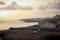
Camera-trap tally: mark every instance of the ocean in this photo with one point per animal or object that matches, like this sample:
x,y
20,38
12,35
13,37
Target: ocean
x,y
14,24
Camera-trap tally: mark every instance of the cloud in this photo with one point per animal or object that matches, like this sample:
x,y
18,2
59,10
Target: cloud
x,y
43,7
54,5
16,7
26,8
2,3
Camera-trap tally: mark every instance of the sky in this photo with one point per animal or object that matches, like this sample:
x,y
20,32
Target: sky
x,y
40,9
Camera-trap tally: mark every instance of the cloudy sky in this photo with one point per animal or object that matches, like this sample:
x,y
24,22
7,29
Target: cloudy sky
x,y
40,9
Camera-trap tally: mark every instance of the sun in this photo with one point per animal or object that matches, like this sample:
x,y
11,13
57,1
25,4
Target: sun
x,y
5,13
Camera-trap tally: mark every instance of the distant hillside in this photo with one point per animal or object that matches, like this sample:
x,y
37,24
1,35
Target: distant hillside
x,y
57,17
40,19
32,20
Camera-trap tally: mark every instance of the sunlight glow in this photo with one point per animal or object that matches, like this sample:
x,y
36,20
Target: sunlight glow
x,y
5,13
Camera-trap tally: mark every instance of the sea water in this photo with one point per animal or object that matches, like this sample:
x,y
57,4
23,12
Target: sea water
x,y
15,24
